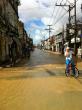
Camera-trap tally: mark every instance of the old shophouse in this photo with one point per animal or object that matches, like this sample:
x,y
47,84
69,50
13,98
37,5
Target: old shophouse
x,y
22,32
58,42
49,43
52,42
23,36
8,26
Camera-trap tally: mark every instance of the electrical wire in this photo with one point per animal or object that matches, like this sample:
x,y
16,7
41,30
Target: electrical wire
x,y
57,11
64,8
61,16
68,1
53,12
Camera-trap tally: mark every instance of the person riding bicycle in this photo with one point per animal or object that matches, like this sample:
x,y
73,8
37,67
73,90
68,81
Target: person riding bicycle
x,y
69,61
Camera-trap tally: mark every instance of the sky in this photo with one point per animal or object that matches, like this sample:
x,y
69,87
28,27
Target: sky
x,y
37,14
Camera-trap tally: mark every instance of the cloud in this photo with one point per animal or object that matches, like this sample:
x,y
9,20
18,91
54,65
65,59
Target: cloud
x,y
40,35
34,9
37,39
46,20
36,14
43,9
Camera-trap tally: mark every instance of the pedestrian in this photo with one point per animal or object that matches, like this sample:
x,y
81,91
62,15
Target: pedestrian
x,y
69,61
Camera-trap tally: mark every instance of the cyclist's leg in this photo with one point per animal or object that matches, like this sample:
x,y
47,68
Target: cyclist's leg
x,y
73,66
67,67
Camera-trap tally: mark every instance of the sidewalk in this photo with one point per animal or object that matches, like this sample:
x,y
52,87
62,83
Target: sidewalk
x,y
58,53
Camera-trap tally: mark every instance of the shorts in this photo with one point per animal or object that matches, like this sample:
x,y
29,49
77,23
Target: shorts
x,y
68,61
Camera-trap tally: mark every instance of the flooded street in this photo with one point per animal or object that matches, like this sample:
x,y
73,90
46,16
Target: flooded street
x,y
40,84
35,38
41,57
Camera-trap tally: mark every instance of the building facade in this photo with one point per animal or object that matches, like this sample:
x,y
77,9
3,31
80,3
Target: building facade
x,y
8,26
58,42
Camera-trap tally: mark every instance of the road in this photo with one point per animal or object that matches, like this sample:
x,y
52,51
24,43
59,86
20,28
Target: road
x,y
40,84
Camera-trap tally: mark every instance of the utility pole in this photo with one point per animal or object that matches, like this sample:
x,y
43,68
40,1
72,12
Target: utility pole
x,y
81,28
49,29
63,40
75,46
75,22
81,35
70,8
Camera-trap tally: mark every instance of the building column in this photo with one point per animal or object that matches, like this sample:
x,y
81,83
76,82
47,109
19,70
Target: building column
x,y
3,50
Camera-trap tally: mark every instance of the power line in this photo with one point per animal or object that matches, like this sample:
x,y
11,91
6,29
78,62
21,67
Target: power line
x,y
70,8
75,28
60,12
68,1
62,16
57,10
53,12
51,18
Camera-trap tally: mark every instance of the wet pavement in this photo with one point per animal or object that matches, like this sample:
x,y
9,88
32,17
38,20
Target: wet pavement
x,y
44,58
40,84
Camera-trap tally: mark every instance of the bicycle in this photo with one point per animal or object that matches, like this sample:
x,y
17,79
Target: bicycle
x,y
71,71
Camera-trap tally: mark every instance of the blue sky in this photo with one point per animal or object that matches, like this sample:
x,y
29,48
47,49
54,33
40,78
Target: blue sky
x,y
33,26
37,22
37,14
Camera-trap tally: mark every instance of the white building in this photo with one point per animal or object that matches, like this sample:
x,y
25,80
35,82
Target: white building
x,y
58,42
